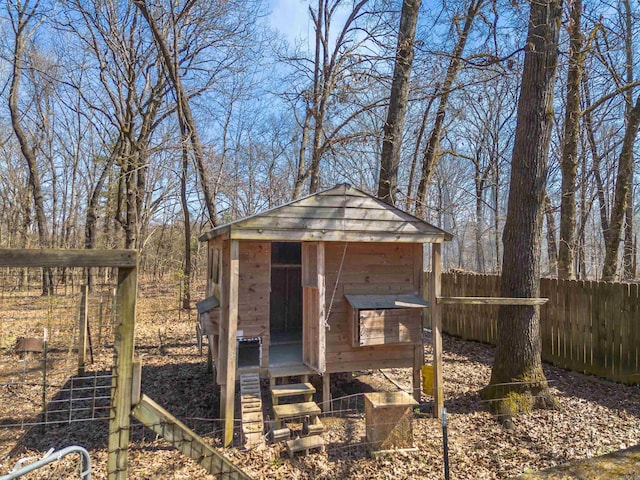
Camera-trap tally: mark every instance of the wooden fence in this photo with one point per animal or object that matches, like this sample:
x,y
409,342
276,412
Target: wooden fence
x,y
587,327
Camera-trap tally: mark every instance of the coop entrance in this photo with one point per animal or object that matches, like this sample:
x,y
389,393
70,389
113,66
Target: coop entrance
x,y
249,352
285,327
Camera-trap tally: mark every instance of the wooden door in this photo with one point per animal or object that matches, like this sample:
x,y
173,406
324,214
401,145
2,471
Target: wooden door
x,y
313,306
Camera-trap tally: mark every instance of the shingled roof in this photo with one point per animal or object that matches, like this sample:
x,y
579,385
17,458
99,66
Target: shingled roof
x,y
341,213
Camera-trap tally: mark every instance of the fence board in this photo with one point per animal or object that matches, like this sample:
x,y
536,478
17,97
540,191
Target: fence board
x,y
589,327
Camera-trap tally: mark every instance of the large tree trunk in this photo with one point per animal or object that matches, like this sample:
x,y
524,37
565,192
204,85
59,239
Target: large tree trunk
x,y
569,159
517,380
390,161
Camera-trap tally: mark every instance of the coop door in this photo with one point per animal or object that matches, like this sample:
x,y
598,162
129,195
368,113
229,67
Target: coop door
x,y
313,306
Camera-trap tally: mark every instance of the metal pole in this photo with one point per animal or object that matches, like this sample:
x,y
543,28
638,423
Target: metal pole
x,y
445,443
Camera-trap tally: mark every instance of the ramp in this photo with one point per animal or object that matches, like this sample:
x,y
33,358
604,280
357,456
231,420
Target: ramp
x,y
251,410
186,440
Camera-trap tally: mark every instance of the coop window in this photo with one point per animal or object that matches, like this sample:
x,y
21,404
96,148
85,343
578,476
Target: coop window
x,y
214,265
385,319
249,352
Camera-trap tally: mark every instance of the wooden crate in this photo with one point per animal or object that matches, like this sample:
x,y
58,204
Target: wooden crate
x,y
388,417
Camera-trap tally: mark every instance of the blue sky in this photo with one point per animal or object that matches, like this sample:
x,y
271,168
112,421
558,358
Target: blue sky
x,y
291,18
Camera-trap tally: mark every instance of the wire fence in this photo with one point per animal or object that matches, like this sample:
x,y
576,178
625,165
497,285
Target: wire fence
x,y
56,351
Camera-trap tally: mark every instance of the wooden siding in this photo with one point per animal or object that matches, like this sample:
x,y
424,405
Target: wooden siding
x,y
385,327
342,213
374,268
588,327
253,294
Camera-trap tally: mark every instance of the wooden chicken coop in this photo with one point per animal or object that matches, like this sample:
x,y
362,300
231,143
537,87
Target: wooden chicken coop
x,y
329,283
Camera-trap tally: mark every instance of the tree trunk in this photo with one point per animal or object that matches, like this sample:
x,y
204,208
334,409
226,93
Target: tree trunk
x,y
517,381
628,270
183,107
552,248
390,161
569,158
301,174
409,204
91,216
24,16
433,146
621,197
186,287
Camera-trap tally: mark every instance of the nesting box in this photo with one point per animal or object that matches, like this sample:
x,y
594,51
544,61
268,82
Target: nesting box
x,y
388,417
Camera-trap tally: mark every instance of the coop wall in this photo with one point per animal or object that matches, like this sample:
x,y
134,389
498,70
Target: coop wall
x,y
368,268
253,294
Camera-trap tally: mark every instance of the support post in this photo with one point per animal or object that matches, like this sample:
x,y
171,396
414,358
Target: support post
x,y
418,359
436,327
326,391
83,330
122,375
229,385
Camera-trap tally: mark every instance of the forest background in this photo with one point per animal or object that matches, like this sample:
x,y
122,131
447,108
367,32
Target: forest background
x,y
131,124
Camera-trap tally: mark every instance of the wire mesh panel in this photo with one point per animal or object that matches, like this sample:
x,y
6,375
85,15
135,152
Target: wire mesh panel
x,y
56,351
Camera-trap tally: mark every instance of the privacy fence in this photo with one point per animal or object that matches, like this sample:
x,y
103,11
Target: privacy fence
x,y
588,327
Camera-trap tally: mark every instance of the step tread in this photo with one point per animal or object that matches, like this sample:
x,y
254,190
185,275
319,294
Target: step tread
x,y
296,409
290,371
305,443
279,391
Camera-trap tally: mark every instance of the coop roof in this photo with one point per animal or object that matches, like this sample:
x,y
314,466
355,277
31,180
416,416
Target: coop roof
x,y
341,213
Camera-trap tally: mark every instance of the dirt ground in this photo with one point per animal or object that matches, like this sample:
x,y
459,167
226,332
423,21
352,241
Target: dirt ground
x,y
596,417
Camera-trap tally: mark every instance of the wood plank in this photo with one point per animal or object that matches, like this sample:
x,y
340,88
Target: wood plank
x,y
122,381
290,371
228,388
19,257
633,365
304,443
436,329
387,301
355,236
339,366
491,301
152,415
322,319
292,410
83,329
279,391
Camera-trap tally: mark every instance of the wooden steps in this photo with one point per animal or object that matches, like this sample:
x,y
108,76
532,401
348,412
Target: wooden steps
x,y
292,390
304,444
251,410
294,410
298,370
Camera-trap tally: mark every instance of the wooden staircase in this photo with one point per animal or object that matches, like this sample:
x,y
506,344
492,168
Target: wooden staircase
x,y
251,410
305,412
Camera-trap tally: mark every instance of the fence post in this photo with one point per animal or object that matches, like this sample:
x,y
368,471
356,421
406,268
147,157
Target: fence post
x,y
123,375
436,327
83,330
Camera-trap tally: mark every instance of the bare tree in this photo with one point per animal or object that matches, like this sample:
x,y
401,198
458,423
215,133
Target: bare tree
x,y
431,155
517,379
184,108
388,178
24,21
